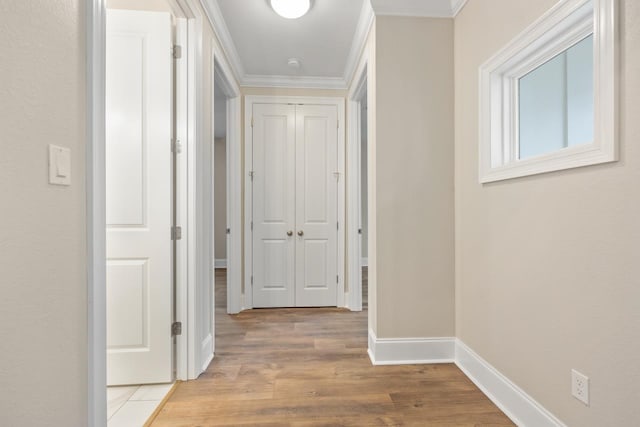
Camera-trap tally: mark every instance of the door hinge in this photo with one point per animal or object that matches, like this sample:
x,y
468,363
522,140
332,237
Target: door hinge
x,y
252,174
251,280
251,121
228,231
176,329
338,124
359,230
177,51
337,226
251,225
337,279
176,233
176,146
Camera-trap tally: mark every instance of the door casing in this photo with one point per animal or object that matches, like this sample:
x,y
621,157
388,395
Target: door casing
x,y
190,15
339,103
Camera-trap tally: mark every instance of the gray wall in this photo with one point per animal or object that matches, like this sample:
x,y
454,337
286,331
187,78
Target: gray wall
x,y
43,277
220,198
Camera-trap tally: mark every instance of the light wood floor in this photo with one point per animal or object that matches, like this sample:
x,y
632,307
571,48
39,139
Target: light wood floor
x,y
309,367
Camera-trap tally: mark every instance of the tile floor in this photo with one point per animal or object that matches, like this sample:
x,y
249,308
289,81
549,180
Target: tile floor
x,y
131,406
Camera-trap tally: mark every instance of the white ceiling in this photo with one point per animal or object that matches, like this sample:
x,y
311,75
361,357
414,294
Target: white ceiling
x,y
321,39
327,40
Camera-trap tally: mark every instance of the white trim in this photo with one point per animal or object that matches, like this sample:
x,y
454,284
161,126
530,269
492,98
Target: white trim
x,y
220,29
418,8
234,204
195,262
409,351
96,212
354,201
358,45
248,199
563,25
364,262
456,6
359,85
304,82
221,263
521,408
247,294
182,79
231,90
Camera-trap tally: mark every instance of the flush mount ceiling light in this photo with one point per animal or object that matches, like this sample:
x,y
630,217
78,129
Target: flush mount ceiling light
x,y
291,9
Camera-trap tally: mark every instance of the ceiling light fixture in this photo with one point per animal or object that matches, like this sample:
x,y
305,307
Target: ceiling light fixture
x,y
291,9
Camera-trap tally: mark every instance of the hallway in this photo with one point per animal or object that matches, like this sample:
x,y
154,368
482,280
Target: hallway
x,y
301,367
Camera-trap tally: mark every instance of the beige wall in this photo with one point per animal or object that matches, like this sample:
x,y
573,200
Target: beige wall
x,y
220,197
414,177
43,307
547,268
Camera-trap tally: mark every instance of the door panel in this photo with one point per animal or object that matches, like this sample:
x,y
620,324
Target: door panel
x,y
294,191
138,188
273,205
316,205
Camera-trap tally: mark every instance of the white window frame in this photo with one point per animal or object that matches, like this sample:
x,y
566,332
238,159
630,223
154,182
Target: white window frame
x,y
561,27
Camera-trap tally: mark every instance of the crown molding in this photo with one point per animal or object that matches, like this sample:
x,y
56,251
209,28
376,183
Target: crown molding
x,y
370,8
359,40
418,8
302,82
456,6
221,31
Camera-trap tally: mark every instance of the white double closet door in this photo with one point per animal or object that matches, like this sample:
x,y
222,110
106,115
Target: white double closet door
x,y
295,218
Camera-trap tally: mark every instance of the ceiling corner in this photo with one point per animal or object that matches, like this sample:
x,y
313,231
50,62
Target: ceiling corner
x,y
221,31
359,40
456,7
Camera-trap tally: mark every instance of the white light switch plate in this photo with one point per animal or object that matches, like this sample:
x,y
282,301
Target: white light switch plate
x,y
59,165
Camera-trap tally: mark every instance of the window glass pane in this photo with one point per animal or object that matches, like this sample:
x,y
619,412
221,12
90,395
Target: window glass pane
x,y
580,93
556,102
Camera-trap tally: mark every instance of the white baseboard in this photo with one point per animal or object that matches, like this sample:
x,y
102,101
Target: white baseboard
x,y
364,262
221,263
407,351
512,400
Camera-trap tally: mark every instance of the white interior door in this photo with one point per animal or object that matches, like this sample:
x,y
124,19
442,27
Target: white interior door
x,y
274,133
138,187
294,205
316,205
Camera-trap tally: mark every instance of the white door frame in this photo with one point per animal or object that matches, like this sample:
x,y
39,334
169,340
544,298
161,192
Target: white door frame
x,y
248,199
359,87
233,145
192,18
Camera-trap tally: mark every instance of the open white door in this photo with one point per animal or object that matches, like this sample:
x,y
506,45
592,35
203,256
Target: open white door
x,y
139,184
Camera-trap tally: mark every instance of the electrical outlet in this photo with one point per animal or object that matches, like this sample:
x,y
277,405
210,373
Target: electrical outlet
x,y
580,386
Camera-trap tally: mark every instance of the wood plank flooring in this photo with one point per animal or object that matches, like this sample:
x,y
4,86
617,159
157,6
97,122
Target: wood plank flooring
x,y
309,367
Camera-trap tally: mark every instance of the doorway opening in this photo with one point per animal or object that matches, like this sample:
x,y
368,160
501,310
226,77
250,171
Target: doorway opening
x,y
141,122
363,230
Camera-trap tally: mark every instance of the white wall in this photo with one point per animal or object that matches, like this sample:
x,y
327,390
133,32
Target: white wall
x,y
43,281
547,272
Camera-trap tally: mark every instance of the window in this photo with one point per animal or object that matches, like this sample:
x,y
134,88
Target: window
x,y
548,99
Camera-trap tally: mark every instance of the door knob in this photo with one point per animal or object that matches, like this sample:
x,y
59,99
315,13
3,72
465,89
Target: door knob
x,y
289,233
301,233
